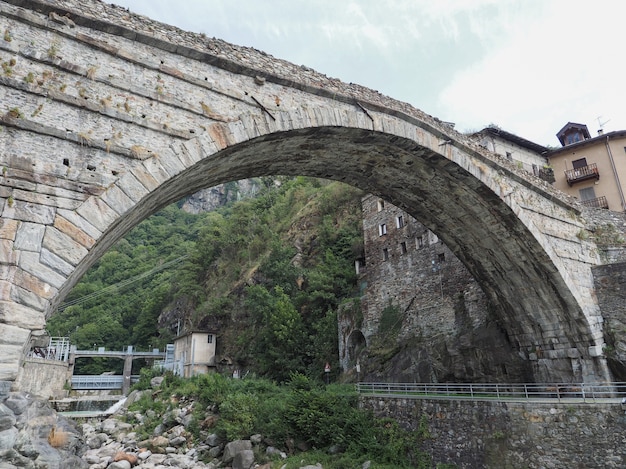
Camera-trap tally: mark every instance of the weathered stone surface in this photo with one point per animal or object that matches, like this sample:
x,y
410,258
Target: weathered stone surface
x,y
81,224
29,261
8,254
29,212
63,246
29,237
525,434
21,317
234,447
243,460
56,263
97,213
78,235
8,228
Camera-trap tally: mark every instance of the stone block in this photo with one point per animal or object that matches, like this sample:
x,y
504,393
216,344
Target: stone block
x,y
29,261
13,339
45,199
28,298
33,284
8,255
170,162
77,224
5,290
132,187
145,178
8,228
55,262
27,211
156,170
21,317
96,212
29,237
115,198
78,235
63,246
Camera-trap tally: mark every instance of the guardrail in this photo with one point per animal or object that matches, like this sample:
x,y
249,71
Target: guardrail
x,y
84,382
584,392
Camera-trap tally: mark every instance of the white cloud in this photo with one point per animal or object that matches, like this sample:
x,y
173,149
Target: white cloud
x,y
561,65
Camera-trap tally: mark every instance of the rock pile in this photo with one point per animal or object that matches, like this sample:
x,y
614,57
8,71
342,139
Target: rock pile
x,y
34,436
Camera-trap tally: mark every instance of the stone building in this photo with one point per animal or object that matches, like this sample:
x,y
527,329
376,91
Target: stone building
x,y
422,316
527,155
590,168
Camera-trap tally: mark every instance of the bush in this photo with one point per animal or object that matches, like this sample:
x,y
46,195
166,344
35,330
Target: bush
x,y
237,415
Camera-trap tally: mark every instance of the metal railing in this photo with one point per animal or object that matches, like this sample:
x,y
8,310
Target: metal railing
x,y
85,382
58,350
583,392
598,202
582,174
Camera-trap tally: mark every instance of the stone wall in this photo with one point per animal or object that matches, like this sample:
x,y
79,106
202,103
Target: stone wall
x,y
44,378
445,330
513,435
610,283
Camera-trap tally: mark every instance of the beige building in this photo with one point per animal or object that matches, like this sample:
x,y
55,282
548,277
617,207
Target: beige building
x,y
194,353
590,168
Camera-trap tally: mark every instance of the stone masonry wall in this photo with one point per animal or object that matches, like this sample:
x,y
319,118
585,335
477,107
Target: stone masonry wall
x,y
44,378
610,283
445,330
475,435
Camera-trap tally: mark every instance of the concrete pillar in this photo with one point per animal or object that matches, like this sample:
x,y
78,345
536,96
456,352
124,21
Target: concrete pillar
x,y
128,367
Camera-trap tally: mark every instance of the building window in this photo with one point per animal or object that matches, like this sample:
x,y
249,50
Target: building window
x,y
420,242
441,257
382,229
399,221
403,247
381,205
587,193
209,339
573,138
385,254
581,163
509,156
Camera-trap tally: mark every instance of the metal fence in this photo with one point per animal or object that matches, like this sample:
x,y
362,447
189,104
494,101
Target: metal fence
x,y
85,382
583,392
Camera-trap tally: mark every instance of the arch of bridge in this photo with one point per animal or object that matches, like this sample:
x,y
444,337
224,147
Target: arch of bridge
x,y
78,178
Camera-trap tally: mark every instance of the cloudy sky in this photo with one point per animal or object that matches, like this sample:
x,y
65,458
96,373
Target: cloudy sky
x,y
528,66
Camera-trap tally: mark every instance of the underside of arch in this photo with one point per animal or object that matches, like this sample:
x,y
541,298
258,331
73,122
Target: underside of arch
x,y
530,299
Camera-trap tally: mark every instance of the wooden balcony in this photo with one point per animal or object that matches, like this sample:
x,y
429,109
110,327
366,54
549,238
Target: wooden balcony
x,y
583,173
598,202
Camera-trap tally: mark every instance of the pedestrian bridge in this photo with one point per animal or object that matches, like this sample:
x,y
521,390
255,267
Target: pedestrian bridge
x,y
107,117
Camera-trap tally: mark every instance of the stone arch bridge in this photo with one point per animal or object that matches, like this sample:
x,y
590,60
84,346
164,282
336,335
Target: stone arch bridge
x,y
107,117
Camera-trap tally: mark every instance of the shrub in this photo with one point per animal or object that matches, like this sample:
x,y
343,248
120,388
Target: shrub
x,y
237,415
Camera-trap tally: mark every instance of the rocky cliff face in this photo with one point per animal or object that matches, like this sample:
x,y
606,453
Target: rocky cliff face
x,y
218,196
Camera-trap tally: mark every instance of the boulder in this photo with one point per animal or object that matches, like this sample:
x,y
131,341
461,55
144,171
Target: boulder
x,y
243,459
231,449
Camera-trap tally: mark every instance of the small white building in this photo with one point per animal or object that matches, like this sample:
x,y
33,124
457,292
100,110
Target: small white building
x,y
194,353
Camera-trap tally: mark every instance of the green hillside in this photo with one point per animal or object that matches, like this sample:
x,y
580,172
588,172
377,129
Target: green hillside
x,y
266,274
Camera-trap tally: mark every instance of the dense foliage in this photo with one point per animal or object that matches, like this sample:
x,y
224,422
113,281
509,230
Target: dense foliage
x,y
300,414
267,274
